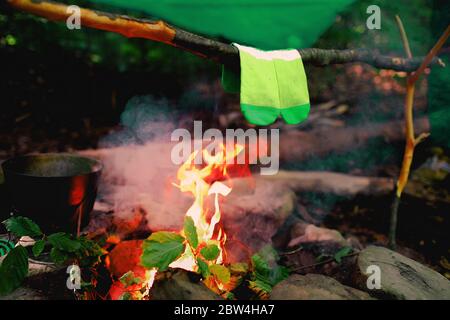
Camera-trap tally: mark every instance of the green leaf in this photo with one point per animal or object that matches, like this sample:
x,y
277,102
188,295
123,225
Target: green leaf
x,y
278,274
239,267
22,226
230,296
260,285
58,256
129,279
161,249
190,231
220,272
38,247
322,257
13,270
203,268
126,296
260,266
342,253
63,241
89,253
265,277
210,252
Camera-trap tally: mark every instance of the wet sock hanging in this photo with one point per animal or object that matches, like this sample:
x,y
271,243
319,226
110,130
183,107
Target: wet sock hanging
x,y
271,83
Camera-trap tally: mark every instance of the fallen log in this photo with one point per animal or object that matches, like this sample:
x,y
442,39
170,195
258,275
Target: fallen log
x,y
297,181
300,145
332,182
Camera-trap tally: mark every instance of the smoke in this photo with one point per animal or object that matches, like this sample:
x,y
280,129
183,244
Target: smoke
x,y
138,179
138,172
145,119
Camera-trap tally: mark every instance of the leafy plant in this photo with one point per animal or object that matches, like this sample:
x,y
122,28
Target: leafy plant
x,y
63,247
162,248
266,272
343,252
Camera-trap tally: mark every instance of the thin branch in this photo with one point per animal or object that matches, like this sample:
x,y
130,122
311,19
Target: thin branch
x,y
421,138
409,146
430,56
297,269
404,37
206,48
411,141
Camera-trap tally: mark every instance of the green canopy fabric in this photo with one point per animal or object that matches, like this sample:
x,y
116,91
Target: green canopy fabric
x,y
439,82
265,24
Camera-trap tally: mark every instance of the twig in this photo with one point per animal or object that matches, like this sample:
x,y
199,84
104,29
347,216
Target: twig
x,y
44,263
411,141
322,262
288,253
206,48
404,37
431,55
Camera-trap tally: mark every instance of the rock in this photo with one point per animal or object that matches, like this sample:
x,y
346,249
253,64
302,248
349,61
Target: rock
x,y
36,268
303,232
25,293
401,277
48,284
179,286
253,216
315,287
305,260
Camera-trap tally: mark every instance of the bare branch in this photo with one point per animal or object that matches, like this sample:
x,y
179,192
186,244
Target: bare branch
x,y
431,55
206,48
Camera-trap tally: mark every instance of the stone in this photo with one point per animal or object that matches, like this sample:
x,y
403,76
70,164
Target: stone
x,y
25,293
47,283
315,287
253,215
401,277
179,286
303,232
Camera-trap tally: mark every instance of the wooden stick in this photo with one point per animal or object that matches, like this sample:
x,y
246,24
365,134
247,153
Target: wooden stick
x,y
331,182
411,140
206,48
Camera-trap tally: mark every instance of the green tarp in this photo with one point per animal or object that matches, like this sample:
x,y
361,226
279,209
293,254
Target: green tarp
x,y
439,82
266,24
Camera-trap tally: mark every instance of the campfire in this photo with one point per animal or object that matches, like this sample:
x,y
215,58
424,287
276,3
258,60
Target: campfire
x,y
200,246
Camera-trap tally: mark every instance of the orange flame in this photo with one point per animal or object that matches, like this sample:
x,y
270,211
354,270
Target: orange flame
x,y
197,181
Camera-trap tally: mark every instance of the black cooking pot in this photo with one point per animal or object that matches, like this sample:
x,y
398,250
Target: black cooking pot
x,y
56,190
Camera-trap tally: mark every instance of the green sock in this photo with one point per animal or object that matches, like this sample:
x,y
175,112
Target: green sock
x,y
272,83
